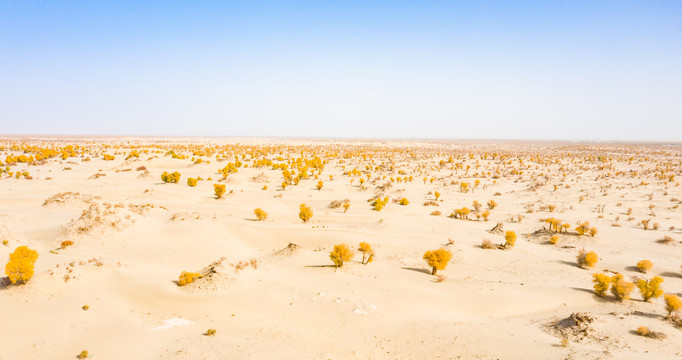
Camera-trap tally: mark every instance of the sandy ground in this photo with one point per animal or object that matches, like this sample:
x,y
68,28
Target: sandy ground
x,y
133,235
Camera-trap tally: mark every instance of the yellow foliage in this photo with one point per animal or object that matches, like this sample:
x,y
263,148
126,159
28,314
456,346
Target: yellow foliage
x,y
219,190
510,239
187,278
554,239
491,204
170,178
601,283
644,266
191,182
367,253
672,303
340,254
650,288
437,259
620,287
346,205
587,259
66,243
404,201
260,214
305,213
319,185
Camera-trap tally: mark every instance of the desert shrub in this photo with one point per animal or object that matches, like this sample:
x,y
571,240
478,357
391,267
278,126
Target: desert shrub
x,y
485,215
583,228
367,253
650,288
219,190
170,178
187,278
341,253
643,331
491,204
260,214
602,282
672,303
464,187
305,213
620,287
319,185
21,265
210,332
554,239
551,208
346,205
587,259
437,195
404,201
435,213
487,244
510,239
108,157
66,243
83,354
335,204
191,182
437,259
644,266
379,203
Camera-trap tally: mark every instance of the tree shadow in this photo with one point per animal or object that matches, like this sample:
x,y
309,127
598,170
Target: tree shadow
x,y
424,271
632,268
569,263
320,266
671,274
594,296
647,314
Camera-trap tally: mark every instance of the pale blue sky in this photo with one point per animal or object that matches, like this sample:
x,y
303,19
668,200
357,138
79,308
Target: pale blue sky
x,y
602,70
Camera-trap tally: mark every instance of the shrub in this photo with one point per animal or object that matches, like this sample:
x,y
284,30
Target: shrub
x,y
191,182
435,213
187,278
644,266
437,259
367,253
21,265
305,213
346,205
643,331
602,282
404,201
219,190
554,239
83,354
66,243
108,157
437,195
672,303
340,254
620,287
487,244
170,178
379,203
650,288
587,259
491,204
210,332
485,215
510,239
583,228
260,214
319,185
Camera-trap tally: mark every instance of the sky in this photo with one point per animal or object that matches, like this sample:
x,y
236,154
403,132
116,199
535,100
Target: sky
x,y
554,70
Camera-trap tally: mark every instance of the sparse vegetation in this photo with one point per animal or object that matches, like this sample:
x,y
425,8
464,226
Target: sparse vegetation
x,y
437,259
340,254
305,213
21,265
587,259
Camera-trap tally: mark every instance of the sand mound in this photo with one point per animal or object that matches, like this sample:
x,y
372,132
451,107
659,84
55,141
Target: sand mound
x,y
101,217
260,178
70,198
575,328
220,275
289,250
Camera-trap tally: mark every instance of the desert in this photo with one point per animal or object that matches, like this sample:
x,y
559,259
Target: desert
x,y
338,262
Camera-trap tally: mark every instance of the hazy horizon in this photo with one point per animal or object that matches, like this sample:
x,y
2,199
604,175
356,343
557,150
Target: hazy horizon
x,y
579,71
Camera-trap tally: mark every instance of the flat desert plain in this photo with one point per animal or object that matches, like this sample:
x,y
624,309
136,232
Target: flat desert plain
x,y
133,266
